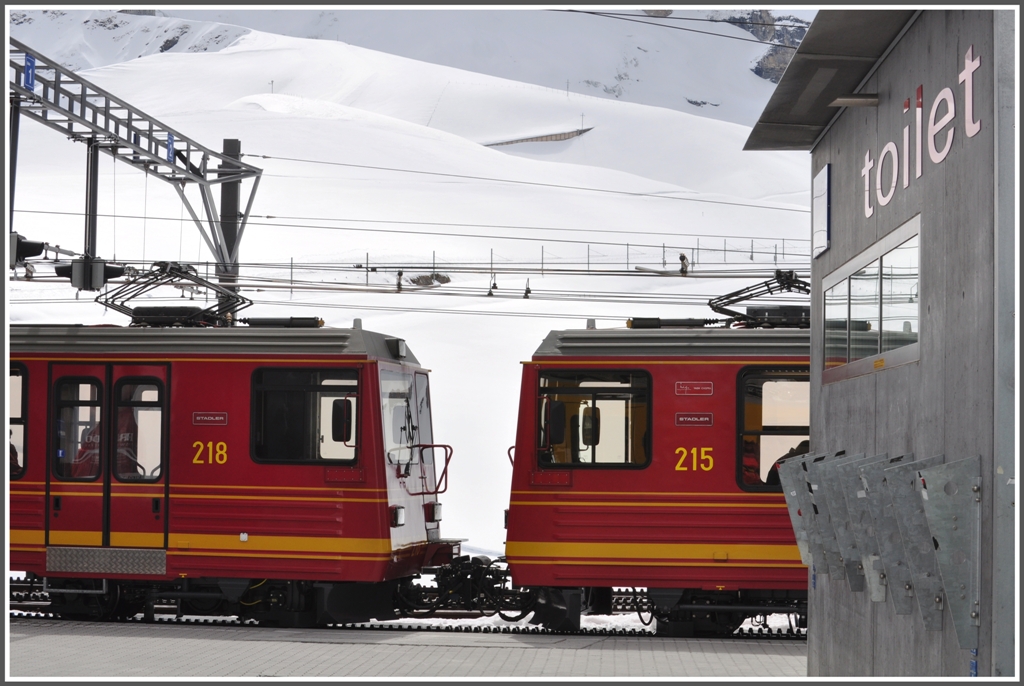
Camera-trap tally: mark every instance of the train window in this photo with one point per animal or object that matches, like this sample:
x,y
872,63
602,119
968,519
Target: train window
x,y
17,390
402,416
78,435
140,413
304,415
594,418
774,421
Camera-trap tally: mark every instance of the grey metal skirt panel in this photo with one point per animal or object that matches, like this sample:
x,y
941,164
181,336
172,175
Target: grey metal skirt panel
x,y
149,561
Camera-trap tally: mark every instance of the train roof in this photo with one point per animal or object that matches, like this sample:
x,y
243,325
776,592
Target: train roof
x,y
676,342
46,338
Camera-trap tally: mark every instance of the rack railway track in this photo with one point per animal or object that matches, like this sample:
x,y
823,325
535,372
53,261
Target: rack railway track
x,y
26,603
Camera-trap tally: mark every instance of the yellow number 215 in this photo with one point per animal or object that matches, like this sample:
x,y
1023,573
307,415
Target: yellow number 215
x,y
706,460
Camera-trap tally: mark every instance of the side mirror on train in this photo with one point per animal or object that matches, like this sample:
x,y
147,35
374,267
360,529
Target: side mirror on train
x,y
341,420
591,429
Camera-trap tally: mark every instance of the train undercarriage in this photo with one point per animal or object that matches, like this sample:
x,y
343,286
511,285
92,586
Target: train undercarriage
x,y
467,587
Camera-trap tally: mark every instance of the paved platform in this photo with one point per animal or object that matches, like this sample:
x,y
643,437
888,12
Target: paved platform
x,y
52,648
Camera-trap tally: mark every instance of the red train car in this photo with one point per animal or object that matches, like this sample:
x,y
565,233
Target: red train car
x,y
284,474
644,459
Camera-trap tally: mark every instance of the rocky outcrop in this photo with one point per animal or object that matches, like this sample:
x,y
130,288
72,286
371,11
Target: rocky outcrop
x,y
783,30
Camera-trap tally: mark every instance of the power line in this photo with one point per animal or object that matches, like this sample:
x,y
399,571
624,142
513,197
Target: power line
x,y
454,224
450,234
528,183
735,22
676,28
411,310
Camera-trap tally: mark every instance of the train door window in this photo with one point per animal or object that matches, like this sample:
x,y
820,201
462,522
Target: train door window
x,y
594,418
338,402
139,410
423,419
398,410
304,415
78,431
774,419
17,392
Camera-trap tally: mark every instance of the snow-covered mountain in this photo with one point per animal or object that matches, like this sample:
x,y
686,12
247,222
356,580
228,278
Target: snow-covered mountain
x,y
693,61
380,160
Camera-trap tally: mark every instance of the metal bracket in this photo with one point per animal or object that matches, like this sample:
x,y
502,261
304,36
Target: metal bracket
x,y
832,487
862,525
952,506
72,591
792,476
792,481
887,532
823,516
905,487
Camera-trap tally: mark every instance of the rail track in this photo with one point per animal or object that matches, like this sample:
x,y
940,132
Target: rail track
x,y
26,603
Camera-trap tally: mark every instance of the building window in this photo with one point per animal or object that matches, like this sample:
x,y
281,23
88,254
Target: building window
x,y
864,312
871,307
774,422
594,418
17,400
837,324
78,432
140,414
304,415
900,297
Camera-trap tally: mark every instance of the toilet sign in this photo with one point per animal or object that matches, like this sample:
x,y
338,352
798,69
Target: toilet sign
x,y
932,138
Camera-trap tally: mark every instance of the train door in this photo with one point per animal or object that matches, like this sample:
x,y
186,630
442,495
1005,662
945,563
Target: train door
x,y
107,477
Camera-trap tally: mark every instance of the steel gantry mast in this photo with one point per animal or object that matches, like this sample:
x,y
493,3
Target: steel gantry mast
x,y
42,89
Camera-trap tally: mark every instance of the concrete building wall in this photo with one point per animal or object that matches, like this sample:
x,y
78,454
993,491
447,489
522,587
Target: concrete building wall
x,y
942,403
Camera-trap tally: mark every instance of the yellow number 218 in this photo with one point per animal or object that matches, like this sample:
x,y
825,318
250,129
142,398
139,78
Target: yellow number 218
x,y
220,455
706,460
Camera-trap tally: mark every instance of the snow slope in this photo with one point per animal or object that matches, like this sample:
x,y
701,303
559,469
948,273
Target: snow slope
x,y
366,166
695,67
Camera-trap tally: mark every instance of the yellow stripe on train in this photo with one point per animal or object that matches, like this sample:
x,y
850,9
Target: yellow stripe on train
x,y
651,551
254,544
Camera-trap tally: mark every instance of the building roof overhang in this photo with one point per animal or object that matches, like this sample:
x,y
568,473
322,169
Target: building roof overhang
x,y
839,52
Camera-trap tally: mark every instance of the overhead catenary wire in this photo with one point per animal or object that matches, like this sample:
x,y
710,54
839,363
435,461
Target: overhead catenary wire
x,y
639,20
410,310
384,308
255,284
660,196
448,234
734,21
